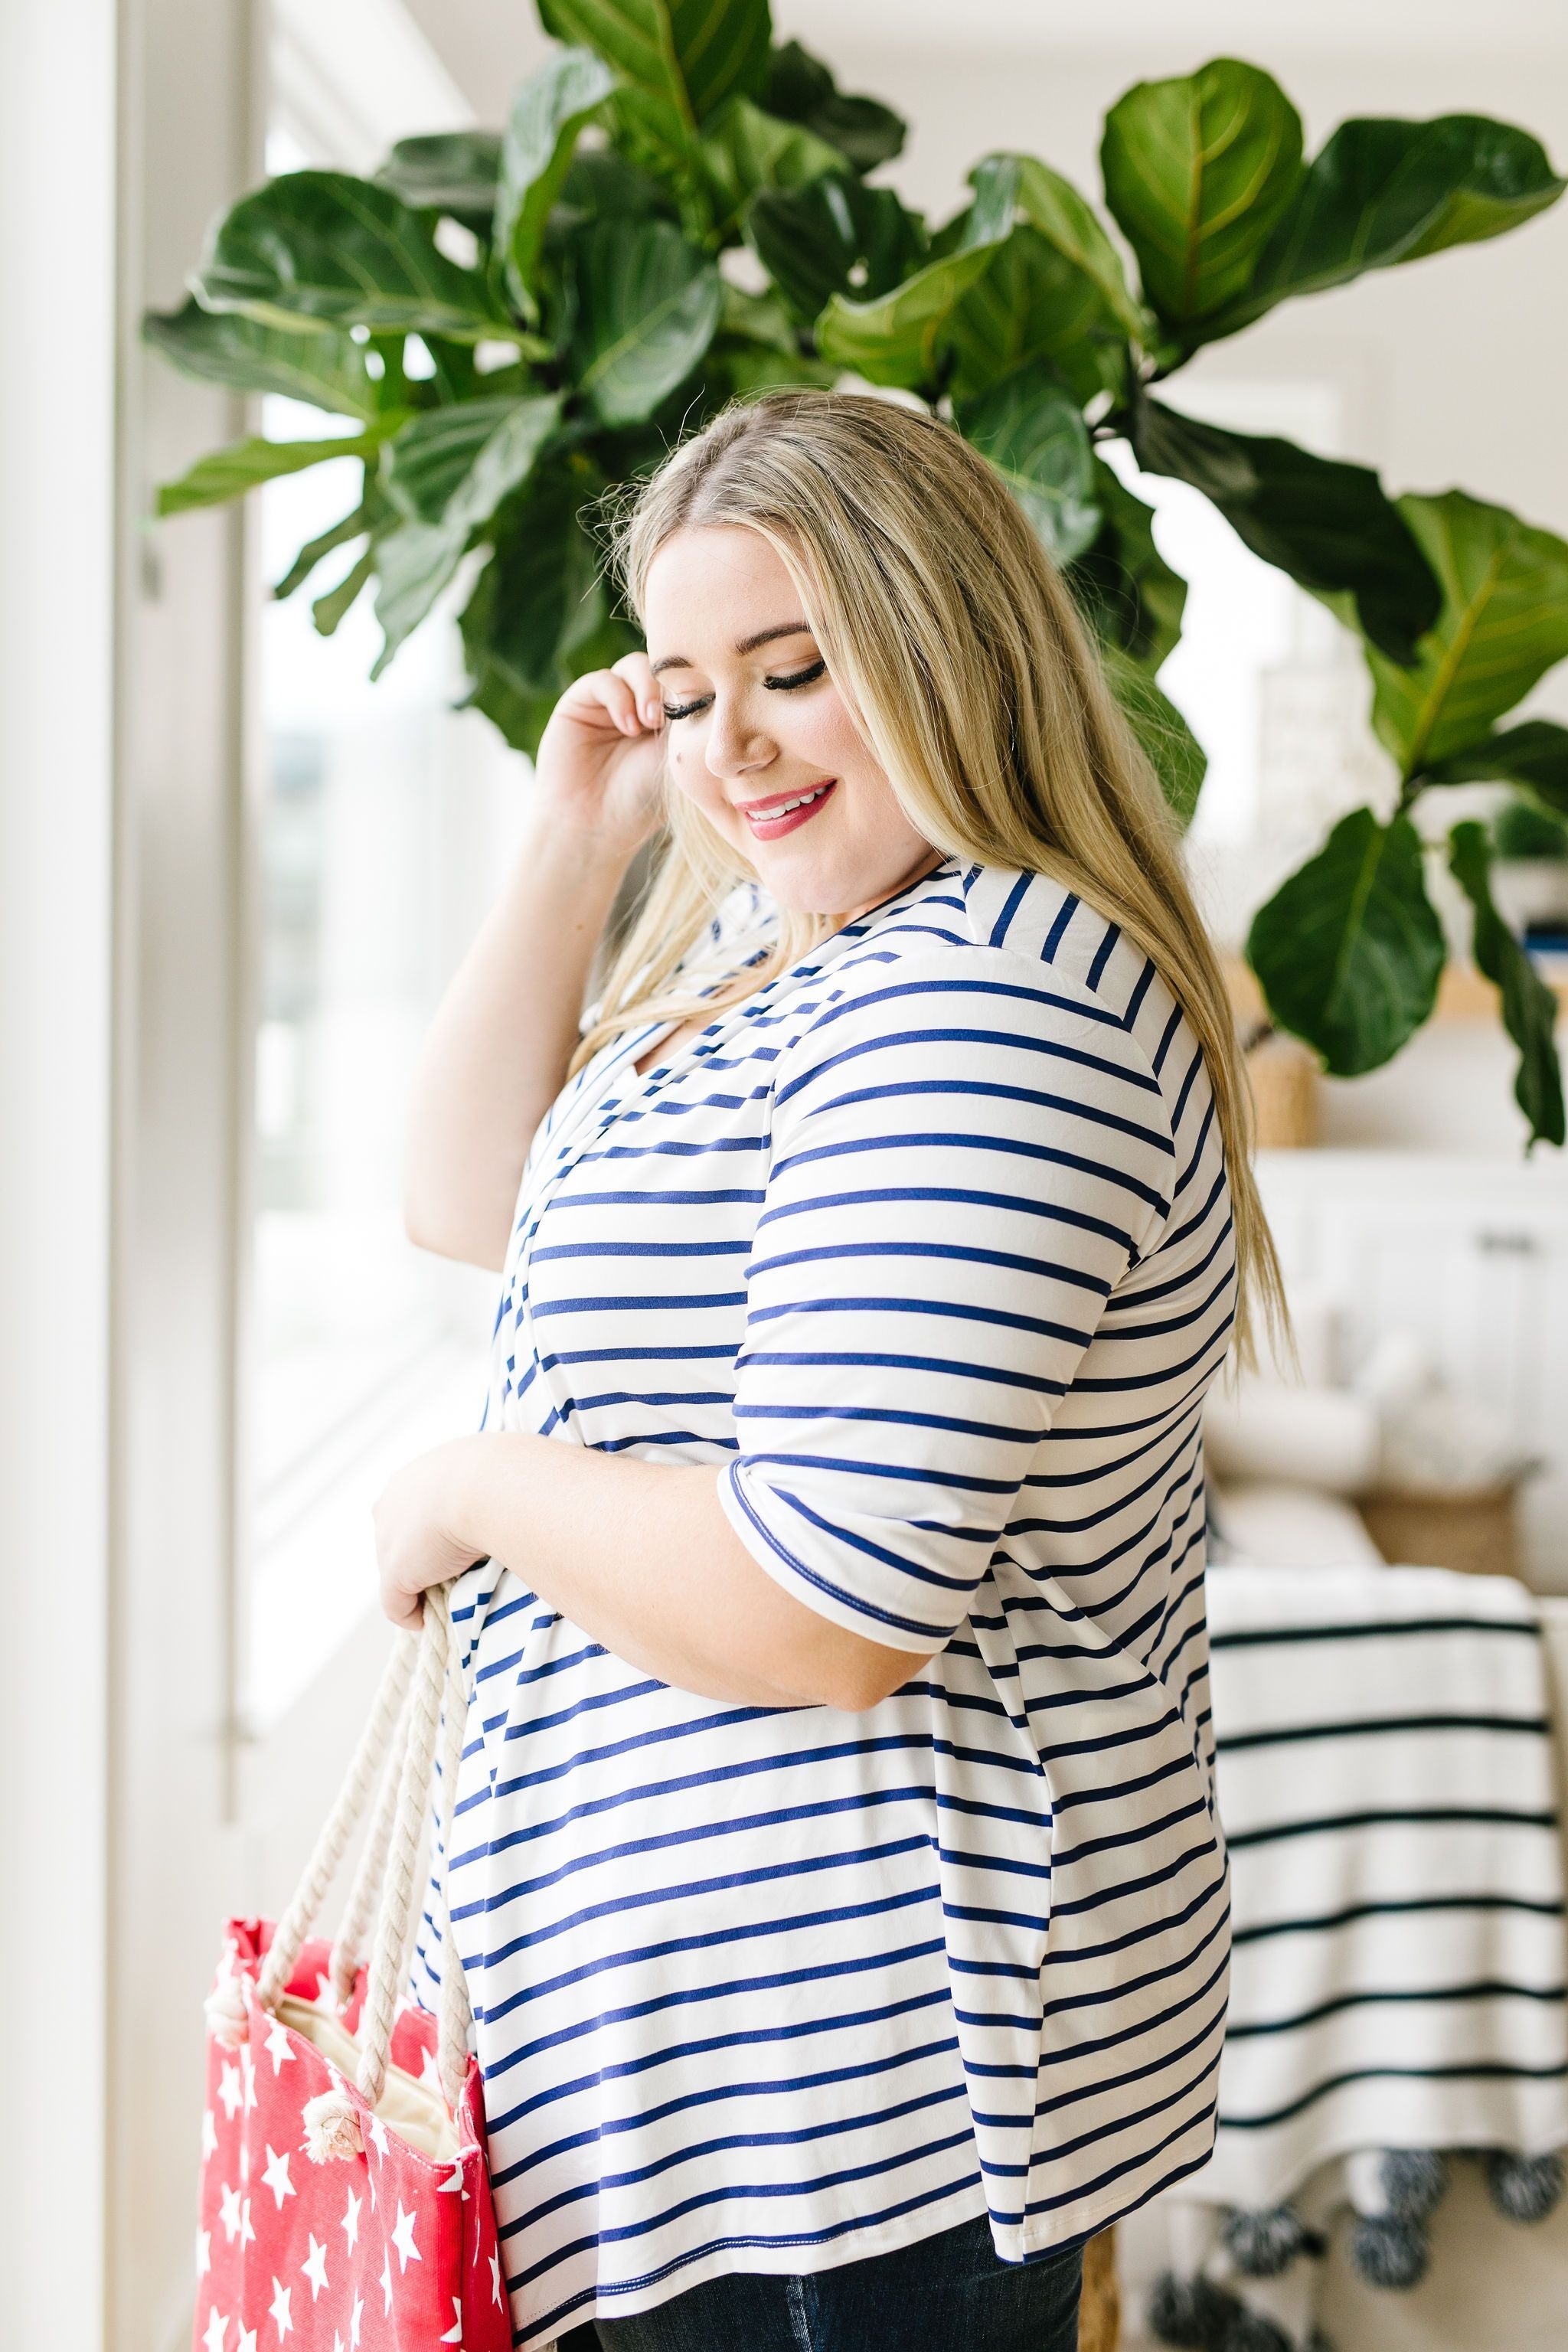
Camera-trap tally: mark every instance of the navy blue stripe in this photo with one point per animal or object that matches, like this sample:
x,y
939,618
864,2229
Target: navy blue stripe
x,y
1384,1817
1374,1727
1487,1989
1492,2070
1390,1629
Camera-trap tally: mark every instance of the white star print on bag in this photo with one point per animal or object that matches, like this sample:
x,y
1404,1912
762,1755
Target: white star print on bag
x,y
345,2193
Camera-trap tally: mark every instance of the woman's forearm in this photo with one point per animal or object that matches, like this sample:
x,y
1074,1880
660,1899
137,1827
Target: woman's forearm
x,y
496,1054
641,1555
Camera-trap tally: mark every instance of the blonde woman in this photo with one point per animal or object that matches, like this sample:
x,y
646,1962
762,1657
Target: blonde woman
x,y
835,1875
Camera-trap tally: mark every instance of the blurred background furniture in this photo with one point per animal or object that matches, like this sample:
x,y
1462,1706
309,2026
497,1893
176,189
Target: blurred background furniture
x,y
1426,1416
1389,1744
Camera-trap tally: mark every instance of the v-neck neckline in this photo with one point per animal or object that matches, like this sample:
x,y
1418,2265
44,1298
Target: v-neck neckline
x,y
860,926
672,1030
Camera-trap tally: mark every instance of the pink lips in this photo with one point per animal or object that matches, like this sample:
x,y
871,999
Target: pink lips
x,y
773,828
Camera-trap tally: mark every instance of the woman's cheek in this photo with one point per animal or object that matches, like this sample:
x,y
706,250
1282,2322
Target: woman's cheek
x,y
687,773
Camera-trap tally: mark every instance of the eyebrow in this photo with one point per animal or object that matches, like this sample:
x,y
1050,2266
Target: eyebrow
x,y
742,645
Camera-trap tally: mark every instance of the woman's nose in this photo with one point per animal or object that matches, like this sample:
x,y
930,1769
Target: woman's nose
x,y
736,748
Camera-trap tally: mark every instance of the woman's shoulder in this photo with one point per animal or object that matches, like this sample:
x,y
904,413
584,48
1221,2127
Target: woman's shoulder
x,y
998,927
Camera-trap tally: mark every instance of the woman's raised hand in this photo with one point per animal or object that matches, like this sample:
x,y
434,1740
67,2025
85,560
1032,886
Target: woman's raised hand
x,y
600,766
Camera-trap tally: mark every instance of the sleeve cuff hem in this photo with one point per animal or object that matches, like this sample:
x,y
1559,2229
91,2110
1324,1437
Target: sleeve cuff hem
x,y
810,1591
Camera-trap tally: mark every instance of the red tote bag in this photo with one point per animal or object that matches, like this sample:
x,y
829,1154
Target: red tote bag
x,y
345,2199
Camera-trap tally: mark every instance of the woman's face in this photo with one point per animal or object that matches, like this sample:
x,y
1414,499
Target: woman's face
x,y
755,723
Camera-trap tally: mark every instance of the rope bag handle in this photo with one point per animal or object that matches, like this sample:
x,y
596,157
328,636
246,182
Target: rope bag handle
x,y
422,1682
352,1951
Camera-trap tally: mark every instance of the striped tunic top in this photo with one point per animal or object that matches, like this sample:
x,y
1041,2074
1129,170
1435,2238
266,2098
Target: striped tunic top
x,y
926,1248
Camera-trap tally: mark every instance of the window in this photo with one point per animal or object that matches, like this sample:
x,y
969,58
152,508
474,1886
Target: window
x,y
381,829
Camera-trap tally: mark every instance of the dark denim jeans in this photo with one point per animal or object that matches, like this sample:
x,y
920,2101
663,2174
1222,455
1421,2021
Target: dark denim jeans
x,y
946,2294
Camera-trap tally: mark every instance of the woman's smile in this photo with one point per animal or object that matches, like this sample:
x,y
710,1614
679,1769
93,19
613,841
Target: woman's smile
x,y
782,812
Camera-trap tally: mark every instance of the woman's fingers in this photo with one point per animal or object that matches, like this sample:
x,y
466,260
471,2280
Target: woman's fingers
x,y
603,690
634,669
631,704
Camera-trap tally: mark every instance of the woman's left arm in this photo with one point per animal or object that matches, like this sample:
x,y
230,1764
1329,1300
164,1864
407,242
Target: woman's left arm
x,y
640,1554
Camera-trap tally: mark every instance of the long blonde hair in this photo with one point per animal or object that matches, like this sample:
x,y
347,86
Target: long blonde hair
x,y
960,650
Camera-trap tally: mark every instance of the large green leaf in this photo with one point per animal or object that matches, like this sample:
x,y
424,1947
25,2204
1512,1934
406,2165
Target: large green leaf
x,y
757,318
1349,950
1132,597
601,185
835,236
757,346
1326,523
747,150
413,565
1000,296
689,55
454,466
1031,302
661,146
897,338
229,473
1534,754
547,117
367,516
325,368
647,304
450,172
1171,747
1032,430
1382,192
456,377
1529,1006
1068,222
1521,828
537,595
321,246
595,638
328,611
1197,170
959,231
801,90
1503,623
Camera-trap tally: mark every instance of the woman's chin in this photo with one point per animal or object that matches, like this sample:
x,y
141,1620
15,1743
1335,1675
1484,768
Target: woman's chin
x,y
838,888
821,876
804,887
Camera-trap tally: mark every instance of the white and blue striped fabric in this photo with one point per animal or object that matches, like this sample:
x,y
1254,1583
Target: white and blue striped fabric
x,y
926,1248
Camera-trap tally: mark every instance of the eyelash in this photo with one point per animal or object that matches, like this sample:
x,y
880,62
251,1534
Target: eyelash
x,y
774,685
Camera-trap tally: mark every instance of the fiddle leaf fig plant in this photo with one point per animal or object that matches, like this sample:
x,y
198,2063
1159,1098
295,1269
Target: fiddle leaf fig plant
x,y
679,211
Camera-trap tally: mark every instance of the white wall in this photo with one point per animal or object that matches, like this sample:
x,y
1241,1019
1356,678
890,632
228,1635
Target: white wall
x,y
56,508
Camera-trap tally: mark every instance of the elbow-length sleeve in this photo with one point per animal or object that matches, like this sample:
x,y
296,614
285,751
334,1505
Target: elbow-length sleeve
x,y
966,1158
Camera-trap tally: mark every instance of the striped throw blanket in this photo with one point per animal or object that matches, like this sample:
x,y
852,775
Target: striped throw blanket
x,y
1387,1782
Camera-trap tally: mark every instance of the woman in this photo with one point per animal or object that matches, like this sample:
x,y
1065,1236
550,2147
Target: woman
x,y
836,1873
